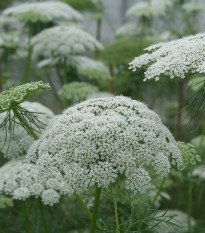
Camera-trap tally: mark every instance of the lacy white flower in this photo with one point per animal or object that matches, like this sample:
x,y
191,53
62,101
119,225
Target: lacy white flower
x,y
64,41
16,95
189,155
20,180
171,221
85,66
173,59
43,12
199,172
149,8
76,92
196,83
94,142
20,139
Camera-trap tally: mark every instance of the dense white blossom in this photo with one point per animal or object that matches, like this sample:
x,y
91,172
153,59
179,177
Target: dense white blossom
x,y
50,11
173,59
20,180
76,92
94,142
21,140
148,8
171,221
61,42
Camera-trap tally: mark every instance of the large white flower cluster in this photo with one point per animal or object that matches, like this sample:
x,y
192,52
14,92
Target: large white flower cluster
x,y
64,41
173,59
100,140
20,180
171,221
47,11
148,8
21,140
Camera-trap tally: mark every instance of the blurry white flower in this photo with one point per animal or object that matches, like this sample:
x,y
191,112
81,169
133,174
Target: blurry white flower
x,y
48,11
85,66
149,8
193,6
173,59
63,41
199,172
130,29
96,141
20,180
21,140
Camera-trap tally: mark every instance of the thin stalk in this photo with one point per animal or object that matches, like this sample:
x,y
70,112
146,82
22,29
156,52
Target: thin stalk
x,y
1,80
43,217
111,84
28,128
27,228
64,81
180,106
190,203
95,210
87,211
25,78
158,192
116,213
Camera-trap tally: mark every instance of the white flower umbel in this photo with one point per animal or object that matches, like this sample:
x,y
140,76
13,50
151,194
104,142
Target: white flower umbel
x,y
20,140
20,180
50,11
150,8
63,41
173,59
171,221
100,140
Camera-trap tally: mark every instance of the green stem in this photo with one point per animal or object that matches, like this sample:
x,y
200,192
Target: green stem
x,y
95,210
190,203
43,217
158,192
25,78
116,213
27,230
25,123
87,211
